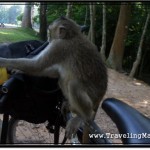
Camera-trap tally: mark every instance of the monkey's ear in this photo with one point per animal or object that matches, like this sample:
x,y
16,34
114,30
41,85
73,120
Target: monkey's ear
x,y
62,32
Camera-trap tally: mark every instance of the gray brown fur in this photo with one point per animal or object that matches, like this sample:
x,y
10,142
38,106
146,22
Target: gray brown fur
x,y
75,61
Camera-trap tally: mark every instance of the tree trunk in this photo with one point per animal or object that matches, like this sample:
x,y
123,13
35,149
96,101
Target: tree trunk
x,y
114,60
91,34
86,15
69,10
142,63
26,19
139,53
103,47
43,21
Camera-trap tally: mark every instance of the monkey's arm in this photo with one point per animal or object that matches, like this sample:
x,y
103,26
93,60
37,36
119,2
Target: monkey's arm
x,y
23,64
37,65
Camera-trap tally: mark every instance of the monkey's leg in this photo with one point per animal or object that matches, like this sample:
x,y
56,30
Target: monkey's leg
x,y
72,126
81,104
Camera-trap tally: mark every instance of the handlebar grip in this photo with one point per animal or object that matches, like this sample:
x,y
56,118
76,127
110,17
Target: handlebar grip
x,y
11,85
84,28
38,50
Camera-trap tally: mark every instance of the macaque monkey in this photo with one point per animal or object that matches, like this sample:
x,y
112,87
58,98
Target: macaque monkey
x,y
76,62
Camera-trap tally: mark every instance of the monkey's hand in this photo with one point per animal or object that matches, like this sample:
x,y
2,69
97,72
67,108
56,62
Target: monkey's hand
x,y
14,71
72,126
4,62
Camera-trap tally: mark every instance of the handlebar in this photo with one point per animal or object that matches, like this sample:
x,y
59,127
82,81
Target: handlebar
x,y
11,86
84,28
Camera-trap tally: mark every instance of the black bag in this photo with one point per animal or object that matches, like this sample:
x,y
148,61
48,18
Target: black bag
x,y
19,49
32,99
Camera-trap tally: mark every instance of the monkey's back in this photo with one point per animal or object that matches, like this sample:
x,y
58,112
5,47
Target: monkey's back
x,y
88,68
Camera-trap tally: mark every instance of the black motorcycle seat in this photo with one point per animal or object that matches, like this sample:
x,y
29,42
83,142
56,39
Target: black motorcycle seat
x,y
132,125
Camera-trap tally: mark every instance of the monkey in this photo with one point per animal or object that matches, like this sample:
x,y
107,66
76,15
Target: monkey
x,y
76,62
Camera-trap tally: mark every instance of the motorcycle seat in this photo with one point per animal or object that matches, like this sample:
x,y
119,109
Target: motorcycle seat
x,y
132,125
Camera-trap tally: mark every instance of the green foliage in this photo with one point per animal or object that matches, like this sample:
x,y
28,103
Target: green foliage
x,y
78,14
17,34
137,21
57,9
13,12
19,18
36,19
54,11
9,15
112,13
3,14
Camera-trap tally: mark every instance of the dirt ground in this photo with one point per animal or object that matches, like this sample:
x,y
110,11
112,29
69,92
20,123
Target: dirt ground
x,y
131,91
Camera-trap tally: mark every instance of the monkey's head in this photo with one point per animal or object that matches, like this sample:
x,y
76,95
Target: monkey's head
x,y
63,28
